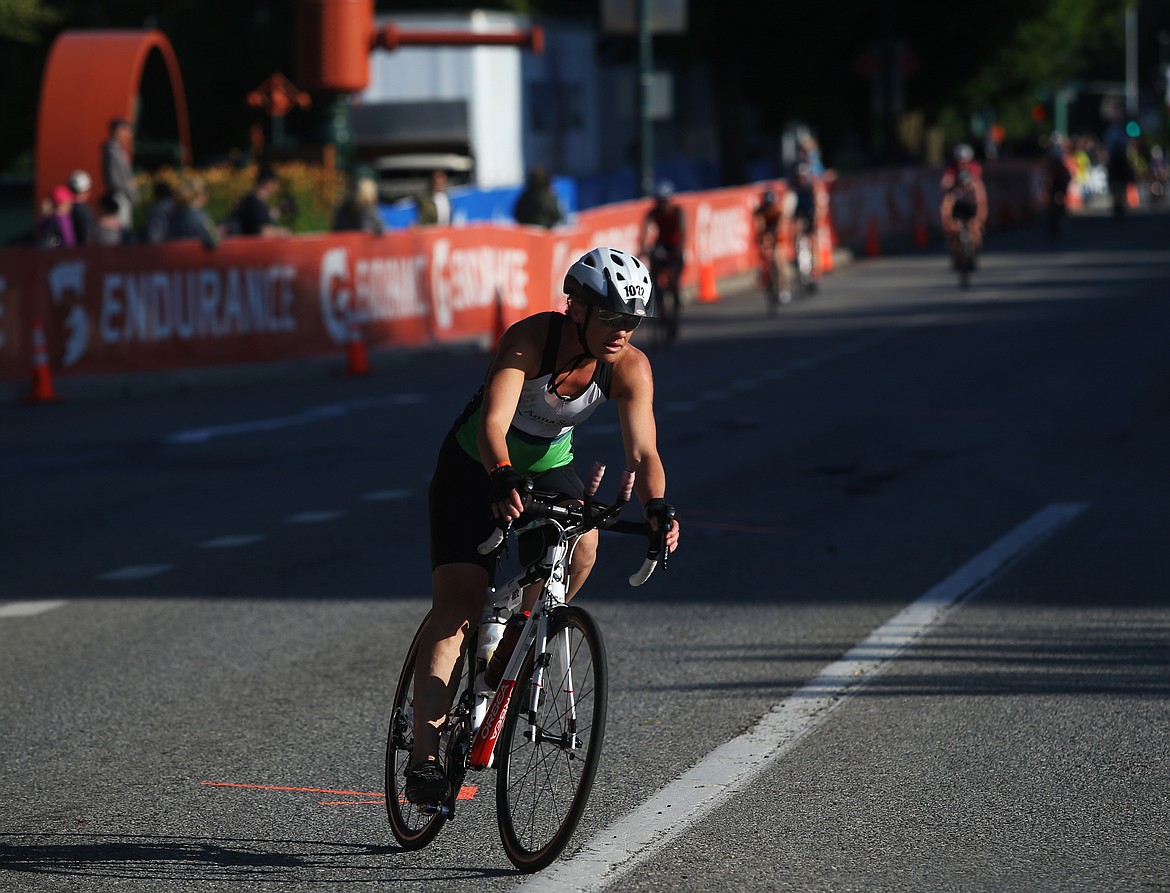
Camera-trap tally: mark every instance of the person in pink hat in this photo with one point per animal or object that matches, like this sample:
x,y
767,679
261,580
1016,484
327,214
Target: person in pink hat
x,y
55,229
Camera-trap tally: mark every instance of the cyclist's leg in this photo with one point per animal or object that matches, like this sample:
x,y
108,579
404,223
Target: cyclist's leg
x,y
460,520
582,561
457,601
814,242
566,481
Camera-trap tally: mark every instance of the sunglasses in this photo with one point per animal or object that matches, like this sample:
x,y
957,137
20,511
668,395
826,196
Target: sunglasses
x,y
615,320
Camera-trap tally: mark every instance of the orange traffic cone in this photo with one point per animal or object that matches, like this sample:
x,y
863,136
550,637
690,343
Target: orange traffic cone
x,y
873,246
825,243
708,289
355,349
42,381
1132,196
921,235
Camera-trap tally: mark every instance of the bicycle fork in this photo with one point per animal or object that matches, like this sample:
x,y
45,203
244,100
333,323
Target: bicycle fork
x,y
568,741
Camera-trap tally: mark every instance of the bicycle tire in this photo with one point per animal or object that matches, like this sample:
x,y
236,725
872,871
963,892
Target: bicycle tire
x,y
413,828
542,789
804,265
774,286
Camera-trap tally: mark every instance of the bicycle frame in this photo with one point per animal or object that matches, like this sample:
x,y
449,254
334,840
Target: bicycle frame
x,y
486,733
549,741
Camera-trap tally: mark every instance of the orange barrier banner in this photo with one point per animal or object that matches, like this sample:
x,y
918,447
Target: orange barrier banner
x,y
176,305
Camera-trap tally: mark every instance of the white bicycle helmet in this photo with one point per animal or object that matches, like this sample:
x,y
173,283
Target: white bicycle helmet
x,y
610,279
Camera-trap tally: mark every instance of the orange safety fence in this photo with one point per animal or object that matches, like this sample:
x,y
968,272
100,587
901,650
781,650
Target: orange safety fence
x,y
142,308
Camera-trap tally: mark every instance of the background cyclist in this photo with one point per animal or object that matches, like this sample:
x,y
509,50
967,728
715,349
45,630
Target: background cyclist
x,y
664,231
965,200
769,220
802,211
549,373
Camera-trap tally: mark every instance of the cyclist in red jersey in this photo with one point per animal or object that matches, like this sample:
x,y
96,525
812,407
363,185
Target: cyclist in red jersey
x,y
963,159
770,223
664,232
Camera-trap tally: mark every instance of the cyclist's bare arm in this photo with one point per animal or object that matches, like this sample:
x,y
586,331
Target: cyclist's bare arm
x,y
645,245
980,204
633,387
517,357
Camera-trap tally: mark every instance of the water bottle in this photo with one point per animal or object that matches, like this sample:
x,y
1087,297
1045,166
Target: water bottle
x,y
491,630
504,649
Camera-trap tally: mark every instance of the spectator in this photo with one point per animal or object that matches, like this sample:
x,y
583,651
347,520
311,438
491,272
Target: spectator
x,y
359,210
254,215
434,205
55,228
118,171
159,215
80,185
108,228
188,218
537,204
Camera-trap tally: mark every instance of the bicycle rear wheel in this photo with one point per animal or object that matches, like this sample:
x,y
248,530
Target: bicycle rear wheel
x,y
542,786
412,827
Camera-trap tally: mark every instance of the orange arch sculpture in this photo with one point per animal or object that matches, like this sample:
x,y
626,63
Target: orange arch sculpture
x,y
90,78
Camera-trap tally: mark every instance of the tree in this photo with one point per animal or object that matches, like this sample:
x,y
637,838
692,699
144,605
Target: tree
x,y
22,21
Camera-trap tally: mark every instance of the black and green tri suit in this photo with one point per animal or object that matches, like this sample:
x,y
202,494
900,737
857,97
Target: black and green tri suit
x,y
540,446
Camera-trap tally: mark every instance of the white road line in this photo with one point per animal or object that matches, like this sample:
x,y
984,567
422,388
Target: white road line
x,y
386,495
617,849
29,609
314,517
136,572
232,542
308,416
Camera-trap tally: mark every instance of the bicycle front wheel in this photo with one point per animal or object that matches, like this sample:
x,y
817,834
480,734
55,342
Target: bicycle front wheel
x,y
546,758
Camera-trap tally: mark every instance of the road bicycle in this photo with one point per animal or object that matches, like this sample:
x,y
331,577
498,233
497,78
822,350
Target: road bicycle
x,y
770,275
963,252
665,271
805,280
541,725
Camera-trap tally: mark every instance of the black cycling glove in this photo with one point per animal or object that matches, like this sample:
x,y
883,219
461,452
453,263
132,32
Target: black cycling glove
x,y
662,510
503,481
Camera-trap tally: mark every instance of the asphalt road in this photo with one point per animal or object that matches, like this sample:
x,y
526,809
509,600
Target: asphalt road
x,y
206,594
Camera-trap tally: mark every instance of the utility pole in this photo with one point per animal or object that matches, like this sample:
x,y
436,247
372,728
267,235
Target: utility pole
x,y
1131,61
645,85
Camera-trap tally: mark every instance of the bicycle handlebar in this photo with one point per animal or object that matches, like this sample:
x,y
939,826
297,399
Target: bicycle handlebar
x,y
587,516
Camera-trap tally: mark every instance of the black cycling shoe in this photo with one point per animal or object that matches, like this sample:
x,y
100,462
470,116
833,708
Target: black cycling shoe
x,y
427,785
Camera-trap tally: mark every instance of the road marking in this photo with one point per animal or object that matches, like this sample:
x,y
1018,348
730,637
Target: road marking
x,y
732,766
29,609
137,572
308,416
232,542
466,792
386,495
314,517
